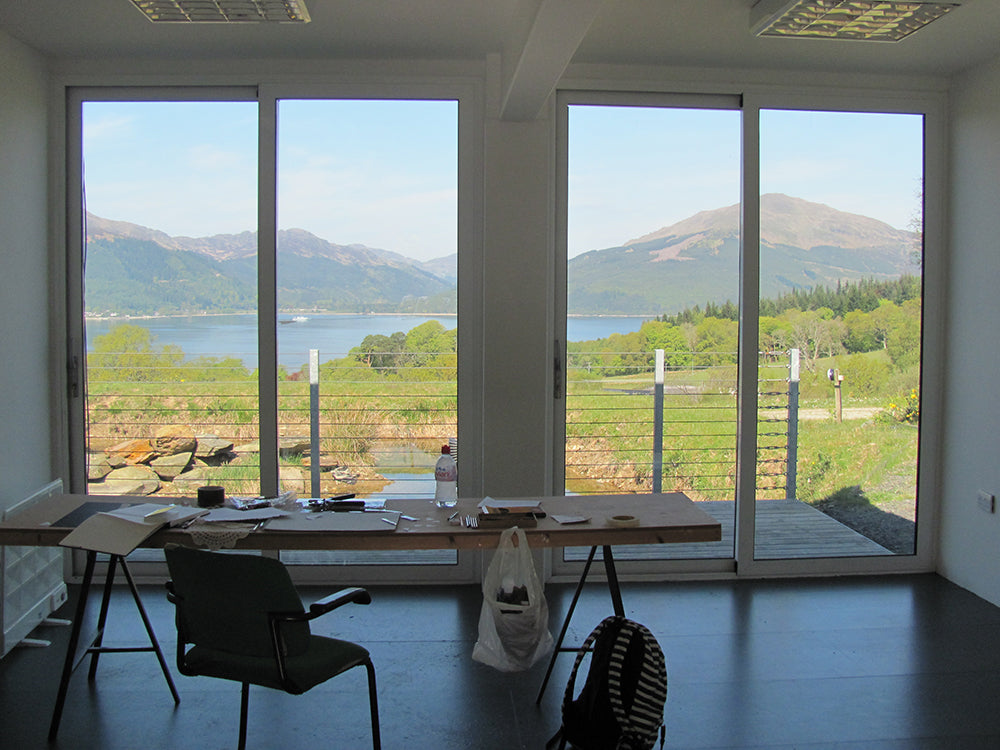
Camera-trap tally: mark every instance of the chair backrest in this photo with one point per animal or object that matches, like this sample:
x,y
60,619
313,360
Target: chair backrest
x,y
223,600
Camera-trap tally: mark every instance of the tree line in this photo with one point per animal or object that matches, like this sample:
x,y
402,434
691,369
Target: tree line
x,y
862,319
865,317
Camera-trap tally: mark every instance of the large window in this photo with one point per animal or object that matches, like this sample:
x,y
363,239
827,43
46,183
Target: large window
x,y
841,251
170,296
269,296
685,223
652,276
367,325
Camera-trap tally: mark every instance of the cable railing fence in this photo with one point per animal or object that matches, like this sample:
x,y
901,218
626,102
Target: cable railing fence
x,y
669,423
639,422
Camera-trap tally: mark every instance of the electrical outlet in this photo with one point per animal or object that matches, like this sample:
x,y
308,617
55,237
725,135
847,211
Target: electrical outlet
x,y
986,502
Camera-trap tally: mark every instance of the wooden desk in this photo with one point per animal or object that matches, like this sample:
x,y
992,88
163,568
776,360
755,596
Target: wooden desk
x,y
661,519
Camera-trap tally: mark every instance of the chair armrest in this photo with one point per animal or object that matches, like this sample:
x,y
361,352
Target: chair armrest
x,y
326,604
353,595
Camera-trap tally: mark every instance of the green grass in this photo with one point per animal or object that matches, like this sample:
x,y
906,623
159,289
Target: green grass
x,y
609,429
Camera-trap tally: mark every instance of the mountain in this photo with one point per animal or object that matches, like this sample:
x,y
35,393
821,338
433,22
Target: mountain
x,y
696,260
445,268
135,270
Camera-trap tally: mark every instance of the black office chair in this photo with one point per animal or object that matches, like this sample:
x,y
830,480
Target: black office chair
x,y
244,621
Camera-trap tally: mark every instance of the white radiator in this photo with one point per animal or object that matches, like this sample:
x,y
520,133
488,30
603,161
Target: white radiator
x,y
32,586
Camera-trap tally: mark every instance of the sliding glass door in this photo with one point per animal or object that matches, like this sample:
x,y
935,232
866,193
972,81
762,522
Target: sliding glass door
x,y
652,286
366,300
267,292
840,321
743,292
170,296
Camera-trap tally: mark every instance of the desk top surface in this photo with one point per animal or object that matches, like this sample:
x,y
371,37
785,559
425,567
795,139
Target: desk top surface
x,y
662,519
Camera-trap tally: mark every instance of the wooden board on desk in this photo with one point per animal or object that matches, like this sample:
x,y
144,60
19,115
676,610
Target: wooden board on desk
x,y
663,519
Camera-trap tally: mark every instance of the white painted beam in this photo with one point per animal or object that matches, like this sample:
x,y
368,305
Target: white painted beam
x,y
545,37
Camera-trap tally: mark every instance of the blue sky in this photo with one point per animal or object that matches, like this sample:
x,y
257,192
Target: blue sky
x,y
383,174
635,170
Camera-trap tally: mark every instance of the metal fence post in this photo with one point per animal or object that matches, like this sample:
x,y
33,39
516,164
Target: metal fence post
x,y
314,458
791,467
658,423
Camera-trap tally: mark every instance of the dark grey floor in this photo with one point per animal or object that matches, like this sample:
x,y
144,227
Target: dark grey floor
x,y
900,663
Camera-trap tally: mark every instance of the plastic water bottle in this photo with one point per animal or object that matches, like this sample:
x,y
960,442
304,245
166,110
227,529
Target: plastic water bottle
x,y
445,480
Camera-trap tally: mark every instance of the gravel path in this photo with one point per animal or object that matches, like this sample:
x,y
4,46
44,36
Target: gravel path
x,y
851,412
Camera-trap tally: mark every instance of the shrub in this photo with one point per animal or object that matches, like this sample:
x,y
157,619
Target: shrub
x,y
906,409
864,374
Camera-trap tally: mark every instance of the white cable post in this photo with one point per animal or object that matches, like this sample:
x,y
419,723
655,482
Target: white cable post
x,y
792,461
314,457
658,423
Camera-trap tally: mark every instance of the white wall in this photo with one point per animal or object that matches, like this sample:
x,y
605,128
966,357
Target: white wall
x,y
517,346
24,387
970,538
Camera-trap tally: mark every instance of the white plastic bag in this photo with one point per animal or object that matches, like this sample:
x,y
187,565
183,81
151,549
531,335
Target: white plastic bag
x,y
514,622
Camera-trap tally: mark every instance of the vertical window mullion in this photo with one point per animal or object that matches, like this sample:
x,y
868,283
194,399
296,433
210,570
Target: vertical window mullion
x,y
746,430
267,311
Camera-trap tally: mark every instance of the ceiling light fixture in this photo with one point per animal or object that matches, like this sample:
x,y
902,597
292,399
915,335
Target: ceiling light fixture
x,y
224,11
864,20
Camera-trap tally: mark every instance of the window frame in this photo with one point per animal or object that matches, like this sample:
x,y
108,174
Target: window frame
x,y
468,95
931,105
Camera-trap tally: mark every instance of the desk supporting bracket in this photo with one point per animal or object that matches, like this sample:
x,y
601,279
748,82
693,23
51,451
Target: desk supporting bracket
x,y
616,603
97,647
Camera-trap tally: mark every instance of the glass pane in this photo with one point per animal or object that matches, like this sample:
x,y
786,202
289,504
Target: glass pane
x,y
840,329
653,248
367,271
170,296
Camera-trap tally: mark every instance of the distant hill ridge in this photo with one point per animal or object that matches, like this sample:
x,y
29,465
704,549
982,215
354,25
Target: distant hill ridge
x,y
793,222
136,270
696,260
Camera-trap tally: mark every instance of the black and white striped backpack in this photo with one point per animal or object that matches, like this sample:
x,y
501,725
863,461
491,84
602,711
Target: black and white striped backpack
x,y
620,706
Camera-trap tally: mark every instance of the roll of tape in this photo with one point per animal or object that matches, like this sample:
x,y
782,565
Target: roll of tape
x,y
623,521
211,496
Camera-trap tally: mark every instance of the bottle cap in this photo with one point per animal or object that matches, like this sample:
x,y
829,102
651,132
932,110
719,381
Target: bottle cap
x,y
446,449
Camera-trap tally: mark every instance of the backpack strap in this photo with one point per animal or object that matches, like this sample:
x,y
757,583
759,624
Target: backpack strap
x,y
558,740
645,715
584,649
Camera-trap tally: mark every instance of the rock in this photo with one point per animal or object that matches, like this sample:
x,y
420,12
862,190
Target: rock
x,y
98,467
344,475
210,446
219,459
133,451
292,446
168,467
122,487
174,439
194,478
326,463
131,480
292,478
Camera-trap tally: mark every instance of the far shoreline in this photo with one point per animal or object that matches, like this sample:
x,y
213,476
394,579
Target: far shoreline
x,y
128,317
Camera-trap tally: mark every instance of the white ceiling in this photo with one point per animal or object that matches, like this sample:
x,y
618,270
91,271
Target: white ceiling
x,y
537,38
